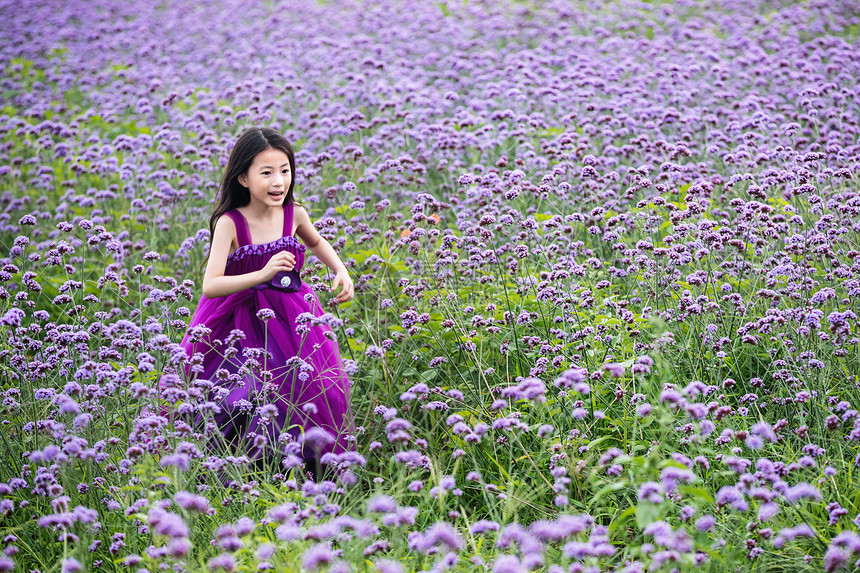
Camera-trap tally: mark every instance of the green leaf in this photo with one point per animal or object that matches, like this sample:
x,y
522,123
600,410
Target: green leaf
x,y
429,375
621,519
599,440
696,493
609,488
647,513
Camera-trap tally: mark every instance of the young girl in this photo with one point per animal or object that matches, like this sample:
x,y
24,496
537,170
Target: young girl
x,y
285,373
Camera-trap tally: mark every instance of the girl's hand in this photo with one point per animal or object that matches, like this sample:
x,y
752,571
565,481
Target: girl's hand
x,y
280,261
347,288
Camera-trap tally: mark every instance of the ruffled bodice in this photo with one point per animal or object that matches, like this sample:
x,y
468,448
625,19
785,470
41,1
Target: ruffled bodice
x,y
250,257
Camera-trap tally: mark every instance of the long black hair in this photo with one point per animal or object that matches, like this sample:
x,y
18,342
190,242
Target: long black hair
x,y
231,193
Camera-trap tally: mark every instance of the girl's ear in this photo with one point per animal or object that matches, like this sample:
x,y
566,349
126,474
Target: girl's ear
x,y
243,180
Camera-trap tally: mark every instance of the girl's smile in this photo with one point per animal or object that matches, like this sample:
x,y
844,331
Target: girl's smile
x,y
268,177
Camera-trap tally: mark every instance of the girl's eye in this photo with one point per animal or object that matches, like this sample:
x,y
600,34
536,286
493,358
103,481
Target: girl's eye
x,y
264,173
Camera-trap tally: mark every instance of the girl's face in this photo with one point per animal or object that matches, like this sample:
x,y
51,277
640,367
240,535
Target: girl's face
x,y
268,178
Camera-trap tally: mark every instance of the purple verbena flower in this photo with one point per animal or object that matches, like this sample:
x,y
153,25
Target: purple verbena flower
x,y
317,556
802,491
440,534
191,502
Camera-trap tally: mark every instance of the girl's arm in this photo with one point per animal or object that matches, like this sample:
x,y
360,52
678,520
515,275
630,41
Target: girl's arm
x,y
217,284
324,252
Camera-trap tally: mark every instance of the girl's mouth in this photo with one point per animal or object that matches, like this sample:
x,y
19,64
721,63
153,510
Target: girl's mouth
x,y
276,194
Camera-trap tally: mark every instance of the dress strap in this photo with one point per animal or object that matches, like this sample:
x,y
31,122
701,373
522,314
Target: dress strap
x,y
288,219
243,234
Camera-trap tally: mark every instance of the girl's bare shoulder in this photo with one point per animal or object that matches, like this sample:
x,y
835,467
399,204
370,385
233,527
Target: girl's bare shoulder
x,y
299,210
225,223
226,233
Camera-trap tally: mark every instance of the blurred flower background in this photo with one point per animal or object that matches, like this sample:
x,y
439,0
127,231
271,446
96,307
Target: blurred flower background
x,y
606,267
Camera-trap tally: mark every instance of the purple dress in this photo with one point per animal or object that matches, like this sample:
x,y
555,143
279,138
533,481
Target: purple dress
x,y
308,388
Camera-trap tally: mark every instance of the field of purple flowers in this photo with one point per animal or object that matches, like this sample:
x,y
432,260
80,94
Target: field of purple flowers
x,y
607,259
